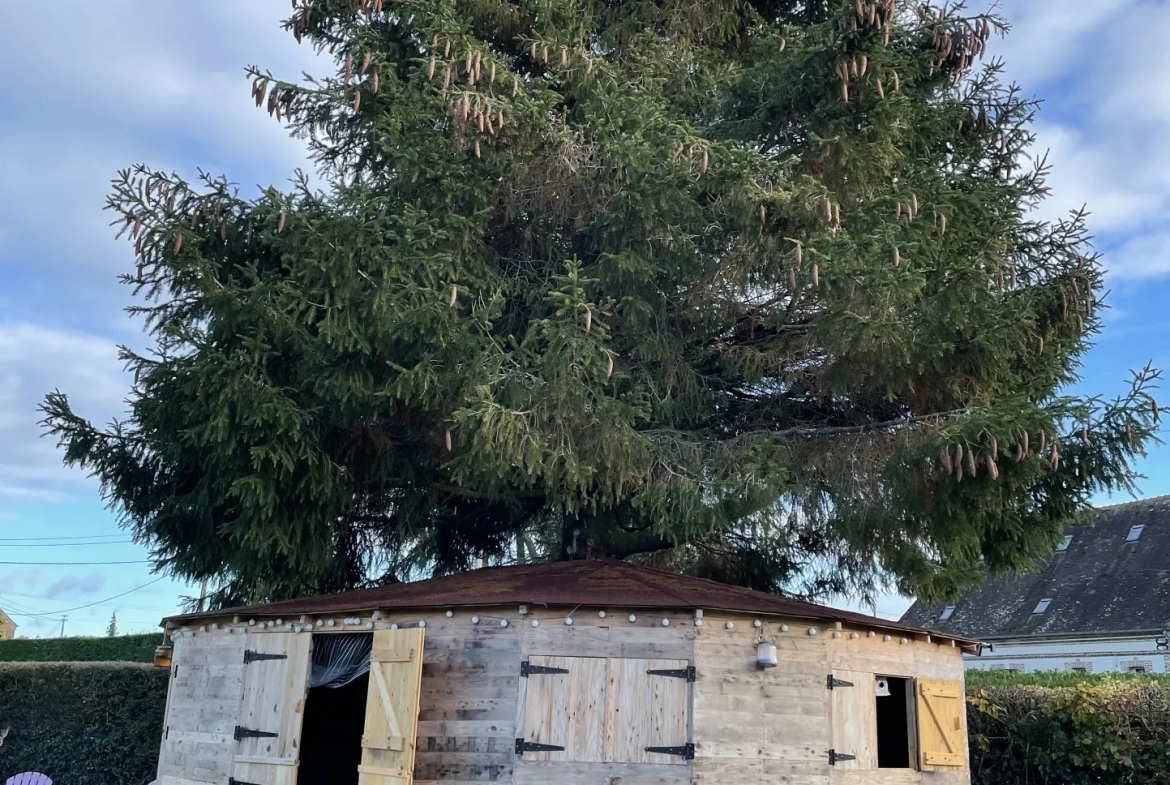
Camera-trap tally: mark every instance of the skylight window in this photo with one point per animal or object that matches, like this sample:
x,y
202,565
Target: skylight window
x,y
947,613
1061,547
1135,533
1043,606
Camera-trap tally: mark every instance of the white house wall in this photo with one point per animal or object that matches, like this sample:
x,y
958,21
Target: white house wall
x,y
1096,655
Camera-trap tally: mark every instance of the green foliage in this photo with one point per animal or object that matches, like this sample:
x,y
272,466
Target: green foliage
x,y
1006,678
753,290
81,723
123,648
1108,731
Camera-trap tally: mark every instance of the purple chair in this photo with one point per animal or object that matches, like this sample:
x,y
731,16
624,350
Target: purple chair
x,y
29,778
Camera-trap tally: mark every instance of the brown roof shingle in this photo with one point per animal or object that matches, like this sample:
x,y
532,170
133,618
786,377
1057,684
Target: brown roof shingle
x,y
589,583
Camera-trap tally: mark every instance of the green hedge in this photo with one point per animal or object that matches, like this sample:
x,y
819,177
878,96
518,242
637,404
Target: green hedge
x,y
82,723
122,648
1104,730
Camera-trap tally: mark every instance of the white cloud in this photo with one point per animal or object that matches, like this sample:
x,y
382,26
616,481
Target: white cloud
x,y
125,81
33,361
1105,120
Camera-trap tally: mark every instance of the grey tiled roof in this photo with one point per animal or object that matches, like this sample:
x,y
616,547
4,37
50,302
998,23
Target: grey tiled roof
x,y
1100,584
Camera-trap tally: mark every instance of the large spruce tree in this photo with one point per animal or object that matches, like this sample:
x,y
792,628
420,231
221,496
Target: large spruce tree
x,y
747,288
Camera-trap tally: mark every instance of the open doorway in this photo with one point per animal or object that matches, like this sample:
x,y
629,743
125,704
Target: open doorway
x,y
895,723
335,710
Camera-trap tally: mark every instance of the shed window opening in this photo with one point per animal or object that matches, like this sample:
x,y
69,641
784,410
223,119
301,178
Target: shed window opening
x,y
1135,533
335,709
1062,546
1043,605
947,613
895,722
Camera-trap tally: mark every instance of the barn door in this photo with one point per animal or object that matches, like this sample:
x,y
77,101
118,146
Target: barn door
x,y
388,743
564,709
646,716
268,732
853,720
941,738
207,677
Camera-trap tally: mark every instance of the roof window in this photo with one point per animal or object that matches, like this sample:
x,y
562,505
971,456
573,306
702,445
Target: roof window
x,y
1062,546
947,613
1135,532
1043,605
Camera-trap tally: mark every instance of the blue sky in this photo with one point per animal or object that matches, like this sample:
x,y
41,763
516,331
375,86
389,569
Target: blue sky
x,y
162,83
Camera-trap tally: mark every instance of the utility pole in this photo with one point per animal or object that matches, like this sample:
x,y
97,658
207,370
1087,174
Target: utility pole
x,y
202,594
63,618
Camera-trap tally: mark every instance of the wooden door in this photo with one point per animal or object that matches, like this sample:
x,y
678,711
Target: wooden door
x,y
942,739
646,707
564,708
853,720
207,677
268,733
388,743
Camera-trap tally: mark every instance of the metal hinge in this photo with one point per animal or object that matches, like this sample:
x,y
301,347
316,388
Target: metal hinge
x,y
253,656
835,756
686,751
527,669
249,733
531,746
833,683
682,673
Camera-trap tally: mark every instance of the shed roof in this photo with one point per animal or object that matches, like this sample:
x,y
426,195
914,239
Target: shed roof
x,y
595,582
1101,583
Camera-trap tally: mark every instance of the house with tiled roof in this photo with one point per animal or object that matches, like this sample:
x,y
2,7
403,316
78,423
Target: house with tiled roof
x,y
1099,603
7,626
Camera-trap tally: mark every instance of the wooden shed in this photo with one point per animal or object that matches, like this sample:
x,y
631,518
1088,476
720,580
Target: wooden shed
x,y
578,673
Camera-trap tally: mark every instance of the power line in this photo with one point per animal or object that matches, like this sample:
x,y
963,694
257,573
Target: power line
x,y
70,563
61,544
54,614
77,537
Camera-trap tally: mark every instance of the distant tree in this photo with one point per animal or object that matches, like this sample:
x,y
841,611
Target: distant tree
x,y
112,629
751,289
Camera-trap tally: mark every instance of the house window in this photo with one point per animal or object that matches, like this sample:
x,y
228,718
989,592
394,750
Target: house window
x,y
1135,533
1043,605
1077,666
947,613
594,709
1079,669
895,723
1138,666
1062,546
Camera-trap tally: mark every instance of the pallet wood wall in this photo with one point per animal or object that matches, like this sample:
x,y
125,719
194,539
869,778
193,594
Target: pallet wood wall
x,y
773,726
748,726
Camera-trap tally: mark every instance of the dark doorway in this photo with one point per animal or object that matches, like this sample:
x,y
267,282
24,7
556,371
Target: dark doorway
x,y
895,723
331,737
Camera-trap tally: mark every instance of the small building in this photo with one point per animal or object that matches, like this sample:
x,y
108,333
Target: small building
x,y
7,626
1099,603
577,673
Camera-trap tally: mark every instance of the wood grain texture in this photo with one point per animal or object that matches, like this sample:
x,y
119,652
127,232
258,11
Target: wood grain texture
x,y
645,710
579,773
273,697
567,709
392,707
853,721
942,734
207,679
